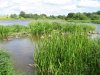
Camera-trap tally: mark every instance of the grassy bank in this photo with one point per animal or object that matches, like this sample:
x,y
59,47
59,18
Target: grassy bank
x,y
85,21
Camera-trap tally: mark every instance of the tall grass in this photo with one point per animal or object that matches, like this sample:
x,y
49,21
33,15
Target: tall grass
x,y
4,32
18,28
38,28
68,55
6,67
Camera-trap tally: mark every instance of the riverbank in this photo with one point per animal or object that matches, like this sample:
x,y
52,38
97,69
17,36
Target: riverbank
x,y
85,21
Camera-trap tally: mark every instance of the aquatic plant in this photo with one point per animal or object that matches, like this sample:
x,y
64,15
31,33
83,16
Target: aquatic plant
x,y
67,55
40,28
4,32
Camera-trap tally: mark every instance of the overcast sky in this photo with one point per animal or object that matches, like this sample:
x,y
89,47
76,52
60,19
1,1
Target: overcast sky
x,y
49,7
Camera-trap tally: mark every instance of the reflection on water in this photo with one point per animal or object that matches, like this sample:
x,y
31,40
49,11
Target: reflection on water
x,y
21,51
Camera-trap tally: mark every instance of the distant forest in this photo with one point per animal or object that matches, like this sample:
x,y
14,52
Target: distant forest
x,y
70,16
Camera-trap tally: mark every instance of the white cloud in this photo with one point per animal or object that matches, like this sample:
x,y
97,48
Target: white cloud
x,y
47,6
57,1
89,3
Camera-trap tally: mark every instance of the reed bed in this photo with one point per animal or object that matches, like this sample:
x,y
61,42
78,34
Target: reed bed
x,y
65,49
40,28
14,30
68,55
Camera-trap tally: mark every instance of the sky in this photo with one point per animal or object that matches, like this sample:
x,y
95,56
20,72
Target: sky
x,y
49,7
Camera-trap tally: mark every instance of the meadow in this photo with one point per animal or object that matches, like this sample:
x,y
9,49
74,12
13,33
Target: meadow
x,y
62,48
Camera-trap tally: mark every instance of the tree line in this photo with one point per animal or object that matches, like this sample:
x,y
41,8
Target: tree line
x,y
70,16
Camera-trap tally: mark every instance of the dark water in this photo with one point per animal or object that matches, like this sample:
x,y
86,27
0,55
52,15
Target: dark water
x,y
14,22
21,51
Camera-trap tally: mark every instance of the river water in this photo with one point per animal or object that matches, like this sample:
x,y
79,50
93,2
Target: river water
x,y
21,50
14,22
97,30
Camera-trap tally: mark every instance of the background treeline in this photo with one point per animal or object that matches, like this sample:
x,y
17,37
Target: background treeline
x,y
70,16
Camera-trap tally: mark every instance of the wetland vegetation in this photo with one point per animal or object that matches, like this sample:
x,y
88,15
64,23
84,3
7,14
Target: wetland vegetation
x,y
62,49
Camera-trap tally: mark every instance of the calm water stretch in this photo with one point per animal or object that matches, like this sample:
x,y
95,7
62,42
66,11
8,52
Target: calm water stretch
x,y
22,50
14,22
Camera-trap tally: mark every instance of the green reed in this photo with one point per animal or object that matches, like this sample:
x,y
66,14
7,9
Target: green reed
x,y
4,32
47,27
74,54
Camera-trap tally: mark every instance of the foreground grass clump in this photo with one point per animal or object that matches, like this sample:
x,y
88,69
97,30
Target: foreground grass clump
x,y
68,55
6,67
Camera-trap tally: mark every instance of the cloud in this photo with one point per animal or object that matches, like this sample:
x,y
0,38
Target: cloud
x,y
89,3
57,1
49,7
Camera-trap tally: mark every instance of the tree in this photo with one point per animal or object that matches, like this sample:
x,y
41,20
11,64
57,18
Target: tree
x,y
35,16
52,17
22,14
61,16
70,15
13,16
95,17
98,12
43,16
77,16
